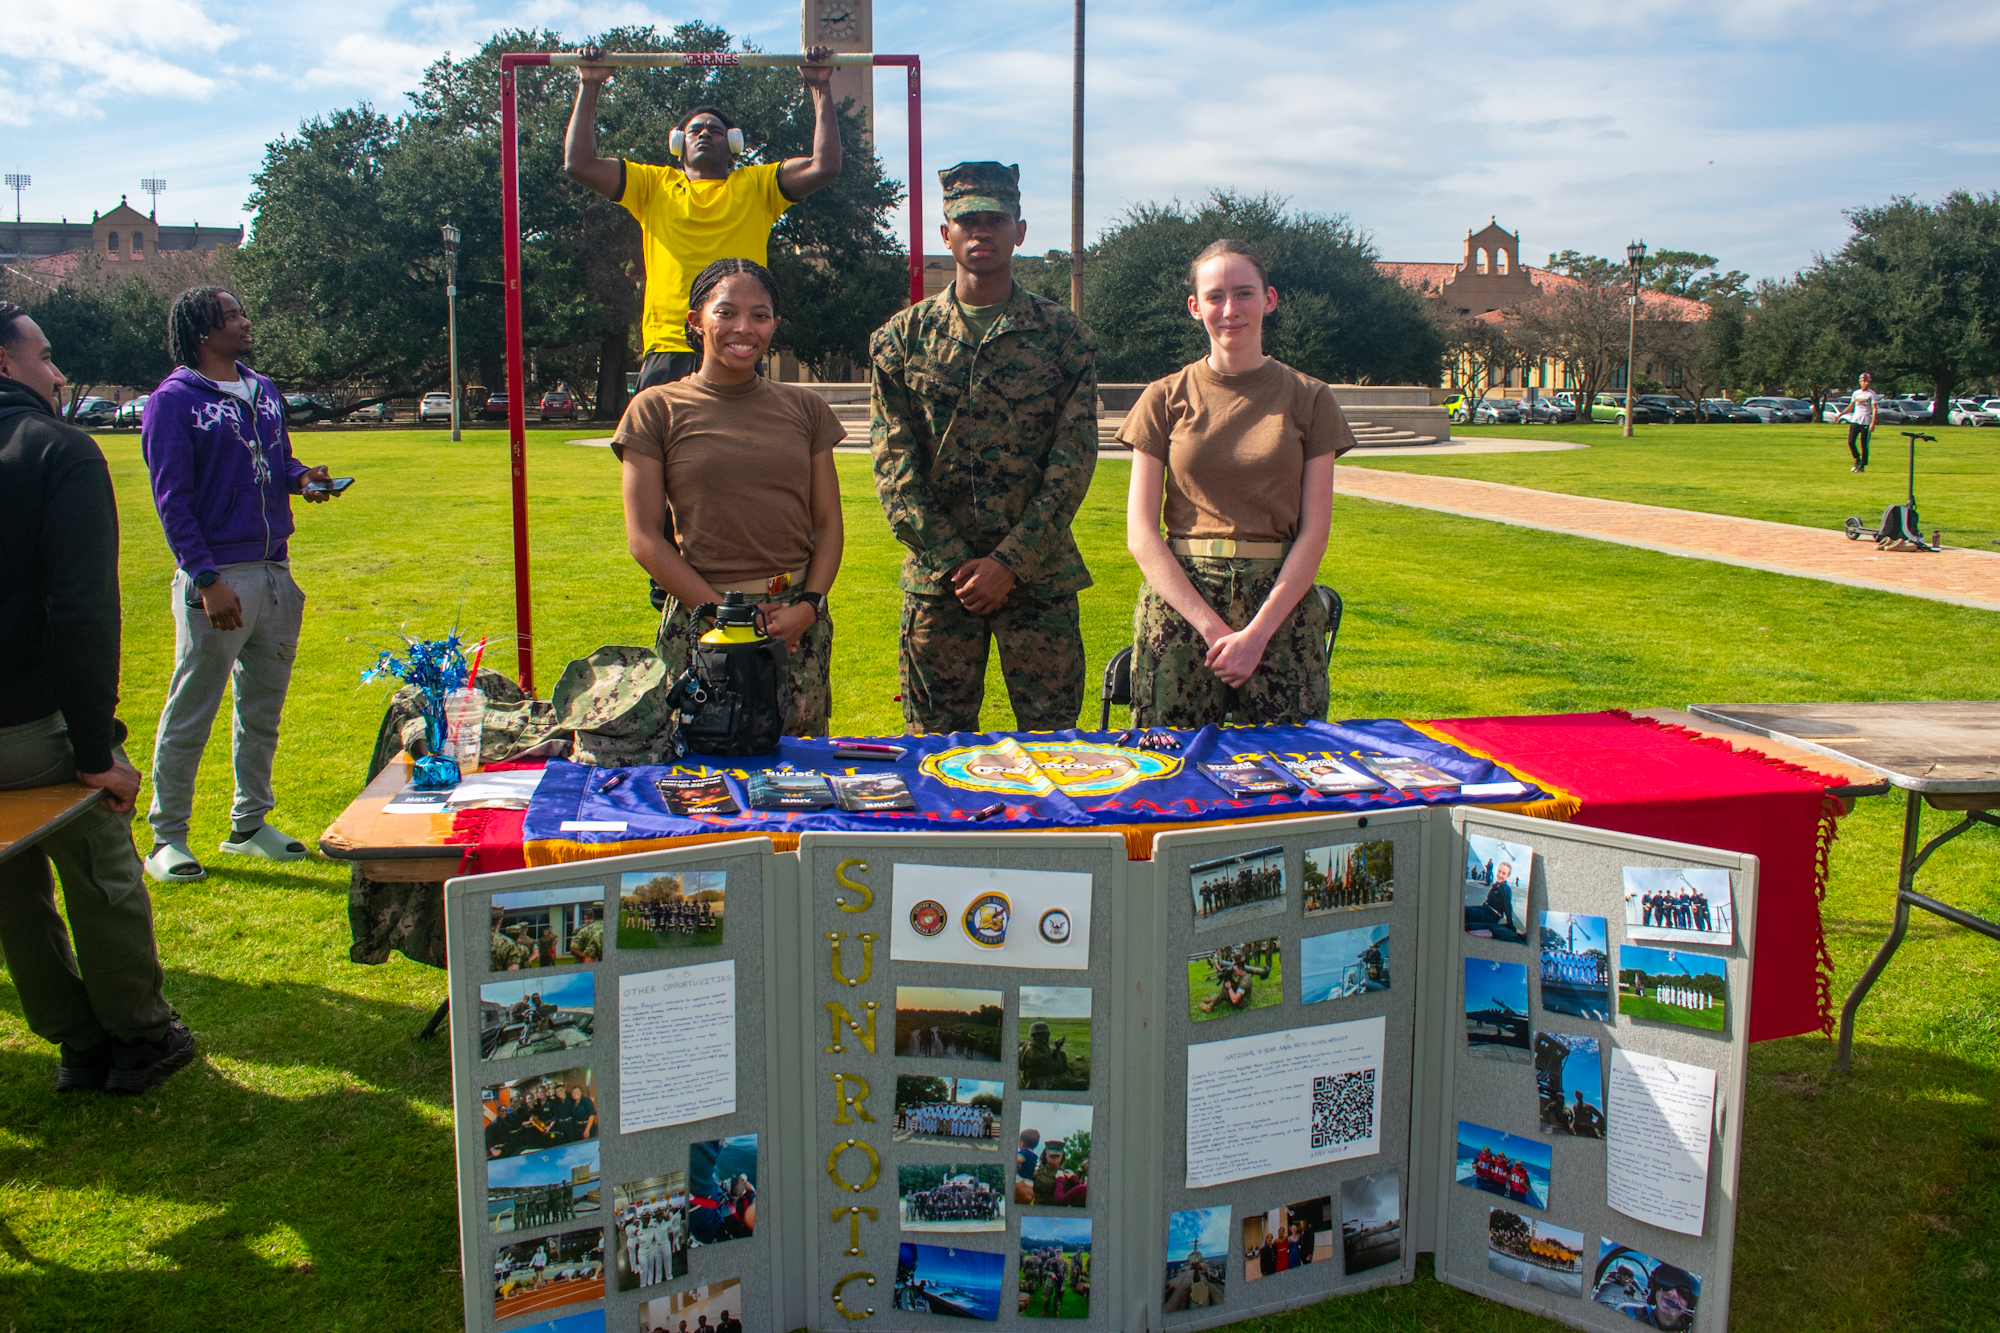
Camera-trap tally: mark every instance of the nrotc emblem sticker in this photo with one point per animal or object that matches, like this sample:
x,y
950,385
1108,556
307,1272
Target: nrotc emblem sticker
x,y
986,920
928,917
1054,926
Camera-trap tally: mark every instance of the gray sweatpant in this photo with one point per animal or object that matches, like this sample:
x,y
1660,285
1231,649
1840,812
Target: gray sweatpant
x,y
255,661
110,982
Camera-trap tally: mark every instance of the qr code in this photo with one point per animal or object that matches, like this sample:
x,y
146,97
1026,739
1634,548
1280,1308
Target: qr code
x,y
1343,1108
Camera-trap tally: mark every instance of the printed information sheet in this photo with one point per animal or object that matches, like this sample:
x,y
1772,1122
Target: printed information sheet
x,y
1283,1100
1656,1166
676,1045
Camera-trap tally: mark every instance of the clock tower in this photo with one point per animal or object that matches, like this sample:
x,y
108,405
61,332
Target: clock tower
x,y
844,25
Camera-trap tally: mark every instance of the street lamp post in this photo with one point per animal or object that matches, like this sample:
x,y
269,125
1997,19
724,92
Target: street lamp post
x,y
1635,255
451,235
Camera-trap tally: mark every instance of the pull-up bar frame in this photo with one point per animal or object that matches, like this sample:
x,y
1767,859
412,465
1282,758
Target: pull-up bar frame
x,y
510,237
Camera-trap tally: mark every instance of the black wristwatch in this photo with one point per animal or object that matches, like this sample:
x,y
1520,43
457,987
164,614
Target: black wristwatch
x,y
205,578
817,601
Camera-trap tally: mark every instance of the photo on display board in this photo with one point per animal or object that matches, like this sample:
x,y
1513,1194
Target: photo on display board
x,y
1538,1253
548,927
716,1306
1371,1221
1055,1268
1052,1156
722,1190
1509,1165
1349,876
1497,875
1198,1244
586,1321
1232,978
1237,888
1054,1047
650,1227
539,1111
957,1197
1673,986
1569,1084
949,1023
538,1015
949,1112
541,1189
1287,1238
1496,1010
547,1272
671,909
1655,1293
941,1280
1576,966
1680,904
1344,963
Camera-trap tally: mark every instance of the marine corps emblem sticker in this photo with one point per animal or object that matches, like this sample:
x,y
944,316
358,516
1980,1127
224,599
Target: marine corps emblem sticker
x,y
927,918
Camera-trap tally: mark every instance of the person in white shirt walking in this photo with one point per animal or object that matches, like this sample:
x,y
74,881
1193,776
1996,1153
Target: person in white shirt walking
x,y
1860,421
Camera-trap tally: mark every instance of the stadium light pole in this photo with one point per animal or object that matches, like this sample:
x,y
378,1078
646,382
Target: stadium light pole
x,y
451,235
1635,255
18,182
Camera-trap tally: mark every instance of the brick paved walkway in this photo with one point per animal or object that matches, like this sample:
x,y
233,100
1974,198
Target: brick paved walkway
x,y
1966,578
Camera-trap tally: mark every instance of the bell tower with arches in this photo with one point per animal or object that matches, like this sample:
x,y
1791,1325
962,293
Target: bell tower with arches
x,y
1491,276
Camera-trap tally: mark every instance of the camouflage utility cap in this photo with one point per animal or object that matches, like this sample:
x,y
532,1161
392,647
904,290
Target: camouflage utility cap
x,y
981,187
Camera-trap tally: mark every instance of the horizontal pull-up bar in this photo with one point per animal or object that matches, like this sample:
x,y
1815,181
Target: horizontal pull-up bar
x,y
698,59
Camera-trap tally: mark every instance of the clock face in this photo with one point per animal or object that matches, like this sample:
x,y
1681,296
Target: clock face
x,y
839,20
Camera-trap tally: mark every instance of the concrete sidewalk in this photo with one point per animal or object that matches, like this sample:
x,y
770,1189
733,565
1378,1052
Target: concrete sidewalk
x,y
1963,578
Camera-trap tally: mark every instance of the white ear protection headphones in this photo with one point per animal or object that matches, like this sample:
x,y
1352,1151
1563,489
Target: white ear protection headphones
x,y
677,141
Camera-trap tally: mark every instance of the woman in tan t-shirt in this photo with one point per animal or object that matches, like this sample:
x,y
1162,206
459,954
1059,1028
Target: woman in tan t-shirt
x,y
745,465
1237,451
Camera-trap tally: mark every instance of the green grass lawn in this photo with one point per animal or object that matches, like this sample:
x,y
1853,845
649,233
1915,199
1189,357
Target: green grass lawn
x,y
1785,473
299,1175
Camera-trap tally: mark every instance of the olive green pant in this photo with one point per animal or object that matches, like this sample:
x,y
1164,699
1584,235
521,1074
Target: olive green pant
x,y
109,982
809,667
1171,683
944,650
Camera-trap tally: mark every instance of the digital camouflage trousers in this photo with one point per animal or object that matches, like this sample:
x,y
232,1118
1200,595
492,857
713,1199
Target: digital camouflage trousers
x,y
944,650
809,666
1171,683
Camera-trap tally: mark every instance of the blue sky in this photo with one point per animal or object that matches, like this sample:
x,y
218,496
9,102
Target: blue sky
x,y
1206,1229
571,990
1739,128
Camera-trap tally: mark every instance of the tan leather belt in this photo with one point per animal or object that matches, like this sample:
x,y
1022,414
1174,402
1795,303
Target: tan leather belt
x,y
1228,548
770,587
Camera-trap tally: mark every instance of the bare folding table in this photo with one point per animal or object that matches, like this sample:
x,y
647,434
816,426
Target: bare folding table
x,y
1946,755
29,814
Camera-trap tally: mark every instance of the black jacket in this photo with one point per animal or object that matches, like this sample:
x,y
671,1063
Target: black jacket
x,y
59,613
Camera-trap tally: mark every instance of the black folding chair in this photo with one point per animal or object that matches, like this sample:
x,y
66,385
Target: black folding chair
x,y
1118,671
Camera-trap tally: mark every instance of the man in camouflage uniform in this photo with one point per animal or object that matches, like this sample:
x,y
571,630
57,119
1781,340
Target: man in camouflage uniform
x,y
587,945
510,952
984,432
1041,1064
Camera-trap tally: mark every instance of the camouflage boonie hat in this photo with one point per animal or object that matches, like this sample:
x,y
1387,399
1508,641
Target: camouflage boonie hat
x,y
981,187
615,700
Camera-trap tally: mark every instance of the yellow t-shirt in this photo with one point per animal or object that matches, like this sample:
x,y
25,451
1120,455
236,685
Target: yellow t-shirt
x,y
688,225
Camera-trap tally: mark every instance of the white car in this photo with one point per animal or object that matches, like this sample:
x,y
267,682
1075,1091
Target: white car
x,y
1969,412
130,412
434,407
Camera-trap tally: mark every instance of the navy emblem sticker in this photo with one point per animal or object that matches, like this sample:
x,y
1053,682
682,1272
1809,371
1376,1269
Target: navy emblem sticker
x,y
927,918
1054,926
986,920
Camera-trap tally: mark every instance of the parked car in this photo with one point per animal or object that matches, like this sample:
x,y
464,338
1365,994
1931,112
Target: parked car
x,y
1721,409
304,407
1915,408
130,412
1543,408
1611,407
94,411
373,412
1496,412
558,405
1455,407
1779,409
496,408
1965,412
1669,408
434,407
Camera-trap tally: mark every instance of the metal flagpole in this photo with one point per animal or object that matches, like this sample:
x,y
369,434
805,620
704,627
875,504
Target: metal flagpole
x,y
1076,175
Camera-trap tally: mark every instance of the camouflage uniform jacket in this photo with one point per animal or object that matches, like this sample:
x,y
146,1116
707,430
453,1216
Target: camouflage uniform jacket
x,y
985,447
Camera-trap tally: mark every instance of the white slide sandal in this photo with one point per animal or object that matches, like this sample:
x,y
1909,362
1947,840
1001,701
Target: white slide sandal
x,y
269,843
174,864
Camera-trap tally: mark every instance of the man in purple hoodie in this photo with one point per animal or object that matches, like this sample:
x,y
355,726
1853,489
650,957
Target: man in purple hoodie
x,y
223,477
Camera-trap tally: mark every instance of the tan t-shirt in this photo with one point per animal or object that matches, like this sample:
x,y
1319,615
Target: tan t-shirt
x,y
1236,447
738,462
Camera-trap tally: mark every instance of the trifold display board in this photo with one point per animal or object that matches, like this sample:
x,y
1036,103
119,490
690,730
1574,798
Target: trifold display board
x,y
901,1081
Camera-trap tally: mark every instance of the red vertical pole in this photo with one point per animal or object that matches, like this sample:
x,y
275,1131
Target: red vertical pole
x,y
916,185
517,430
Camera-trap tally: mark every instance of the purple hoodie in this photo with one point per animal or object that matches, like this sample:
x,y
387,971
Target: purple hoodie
x,y
223,472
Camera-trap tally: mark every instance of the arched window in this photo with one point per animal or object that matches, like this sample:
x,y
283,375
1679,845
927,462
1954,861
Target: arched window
x,y
111,242
1500,258
138,243
1480,255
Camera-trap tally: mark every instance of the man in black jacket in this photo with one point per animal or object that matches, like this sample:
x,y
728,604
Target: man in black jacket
x,y
59,629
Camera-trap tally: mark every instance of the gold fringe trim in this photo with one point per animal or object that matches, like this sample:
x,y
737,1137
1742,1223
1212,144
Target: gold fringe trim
x,y
1559,805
